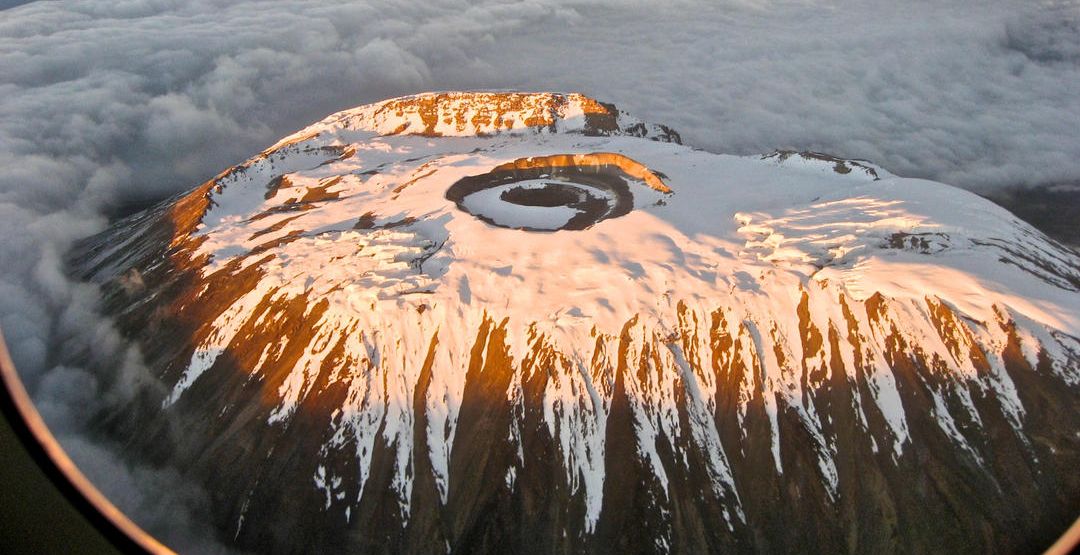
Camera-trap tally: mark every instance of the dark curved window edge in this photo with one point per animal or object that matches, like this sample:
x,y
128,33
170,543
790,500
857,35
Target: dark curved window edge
x,y
47,453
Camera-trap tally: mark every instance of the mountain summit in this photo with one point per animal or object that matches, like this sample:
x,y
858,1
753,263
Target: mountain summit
x,y
531,323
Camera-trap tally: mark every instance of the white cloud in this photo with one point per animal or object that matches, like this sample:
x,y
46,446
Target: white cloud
x,y
103,103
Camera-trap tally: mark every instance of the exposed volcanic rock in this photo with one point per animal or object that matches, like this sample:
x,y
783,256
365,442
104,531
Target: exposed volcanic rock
x,y
690,352
838,165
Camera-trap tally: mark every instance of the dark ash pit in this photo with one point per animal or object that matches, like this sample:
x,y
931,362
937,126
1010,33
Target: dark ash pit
x,y
551,194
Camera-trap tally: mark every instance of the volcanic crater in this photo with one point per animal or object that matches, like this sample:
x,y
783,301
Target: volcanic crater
x,y
554,193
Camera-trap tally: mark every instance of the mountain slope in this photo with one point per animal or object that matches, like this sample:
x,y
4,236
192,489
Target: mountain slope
x,y
512,322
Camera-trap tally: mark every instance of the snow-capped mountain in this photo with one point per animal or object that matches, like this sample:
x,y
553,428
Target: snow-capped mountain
x,y
501,322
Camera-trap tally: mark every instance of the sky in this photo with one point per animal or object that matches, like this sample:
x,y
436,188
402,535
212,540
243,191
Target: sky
x,y
110,103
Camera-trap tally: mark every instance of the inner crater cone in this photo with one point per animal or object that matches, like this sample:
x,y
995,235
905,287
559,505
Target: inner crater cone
x,y
553,193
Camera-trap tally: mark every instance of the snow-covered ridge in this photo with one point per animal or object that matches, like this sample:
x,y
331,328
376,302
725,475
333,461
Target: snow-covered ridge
x,y
459,114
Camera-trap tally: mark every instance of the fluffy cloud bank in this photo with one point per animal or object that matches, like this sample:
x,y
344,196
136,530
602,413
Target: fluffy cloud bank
x,y
107,104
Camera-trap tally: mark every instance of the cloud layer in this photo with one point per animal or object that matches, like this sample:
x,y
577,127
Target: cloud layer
x,y
105,104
